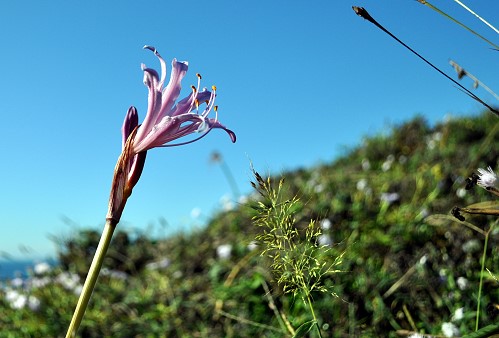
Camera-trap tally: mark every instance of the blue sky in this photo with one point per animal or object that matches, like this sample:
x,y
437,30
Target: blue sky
x,y
297,81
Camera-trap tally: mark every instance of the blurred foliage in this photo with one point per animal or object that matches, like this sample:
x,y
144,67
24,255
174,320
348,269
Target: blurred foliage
x,y
402,273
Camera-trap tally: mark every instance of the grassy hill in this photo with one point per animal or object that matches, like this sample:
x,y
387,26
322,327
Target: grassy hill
x,y
384,207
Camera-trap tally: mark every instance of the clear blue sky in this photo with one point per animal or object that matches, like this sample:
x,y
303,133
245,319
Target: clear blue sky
x,y
297,81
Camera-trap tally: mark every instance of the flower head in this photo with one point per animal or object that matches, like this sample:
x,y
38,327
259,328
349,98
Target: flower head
x,y
166,121
486,179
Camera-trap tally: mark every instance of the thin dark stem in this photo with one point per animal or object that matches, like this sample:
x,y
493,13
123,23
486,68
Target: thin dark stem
x,y
364,14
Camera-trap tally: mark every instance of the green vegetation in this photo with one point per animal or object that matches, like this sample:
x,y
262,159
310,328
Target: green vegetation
x,y
371,249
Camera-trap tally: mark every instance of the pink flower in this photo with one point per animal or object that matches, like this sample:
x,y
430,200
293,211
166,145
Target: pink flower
x,y
166,121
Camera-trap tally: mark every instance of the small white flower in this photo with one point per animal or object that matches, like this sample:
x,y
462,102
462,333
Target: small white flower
x,y
41,268
39,282
458,314
388,163
319,188
11,295
224,251
486,179
252,245
115,274
69,281
164,263
17,282
33,303
325,239
472,246
326,224
450,330
461,192
16,299
389,197
366,165
462,283
362,184
416,335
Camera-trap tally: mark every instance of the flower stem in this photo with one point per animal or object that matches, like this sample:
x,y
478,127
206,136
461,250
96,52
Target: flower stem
x,y
309,302
91,279
482,270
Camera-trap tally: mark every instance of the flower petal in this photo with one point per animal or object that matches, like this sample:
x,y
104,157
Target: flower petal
x,y
214,124
172,91
131,121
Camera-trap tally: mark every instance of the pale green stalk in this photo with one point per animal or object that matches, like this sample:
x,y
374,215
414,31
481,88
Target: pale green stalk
x,y
91,279
458,22
484,256
309,303
479,17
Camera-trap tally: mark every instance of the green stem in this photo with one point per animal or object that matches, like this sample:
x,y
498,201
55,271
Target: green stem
x,y
484,255
309,302
91,279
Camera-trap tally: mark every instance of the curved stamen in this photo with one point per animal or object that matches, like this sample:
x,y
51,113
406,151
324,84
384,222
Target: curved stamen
x,y
210,103
194,94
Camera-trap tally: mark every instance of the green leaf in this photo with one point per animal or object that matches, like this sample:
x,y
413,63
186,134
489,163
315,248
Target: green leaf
x,y
484,332
304,329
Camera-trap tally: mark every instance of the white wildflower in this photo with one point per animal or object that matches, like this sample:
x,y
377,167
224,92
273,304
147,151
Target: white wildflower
x,y
362,184
318,188
252,245
461,192
450,330
114,274
389,197
462,283
458,314
366,165
486,179
388,163
224,251
164,263
325,240
326,224
41,268
69,281
17,282
33,303
39,282
416,335
16,299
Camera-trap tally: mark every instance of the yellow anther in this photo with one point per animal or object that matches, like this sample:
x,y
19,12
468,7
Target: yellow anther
x,y
197,103
215,108
214,88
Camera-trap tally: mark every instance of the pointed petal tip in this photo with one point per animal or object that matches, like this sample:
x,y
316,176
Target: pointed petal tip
x,y
232,135
151,48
